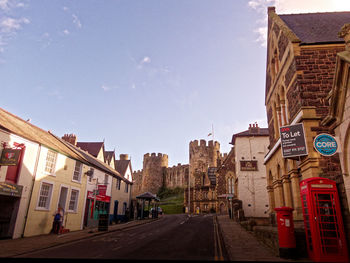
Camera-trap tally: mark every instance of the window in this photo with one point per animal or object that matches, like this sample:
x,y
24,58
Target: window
x,y
73,202
77,171
50,162
118,184
106,179
45,196
126,187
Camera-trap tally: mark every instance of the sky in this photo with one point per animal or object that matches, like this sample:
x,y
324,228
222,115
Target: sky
x,y
143,76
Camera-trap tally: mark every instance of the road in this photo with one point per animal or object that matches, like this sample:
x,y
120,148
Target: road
x,y
173,237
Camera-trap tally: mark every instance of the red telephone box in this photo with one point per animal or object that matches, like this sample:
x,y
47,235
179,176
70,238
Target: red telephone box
x,y
323,222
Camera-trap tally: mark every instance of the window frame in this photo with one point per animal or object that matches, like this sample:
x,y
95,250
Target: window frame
x,y
80,171
76,200
49,197
54,163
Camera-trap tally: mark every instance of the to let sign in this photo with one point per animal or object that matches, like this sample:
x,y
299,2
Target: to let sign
x,y
293,141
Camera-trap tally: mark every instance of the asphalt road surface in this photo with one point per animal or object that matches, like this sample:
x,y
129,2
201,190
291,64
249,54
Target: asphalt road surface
x,y
173,237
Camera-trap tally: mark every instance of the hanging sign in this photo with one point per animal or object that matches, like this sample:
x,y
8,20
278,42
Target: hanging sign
x,y
10,156
293,140
325,144
249,165
10,189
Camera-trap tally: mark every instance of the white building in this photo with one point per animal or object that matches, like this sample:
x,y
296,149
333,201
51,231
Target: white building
x,y
250,148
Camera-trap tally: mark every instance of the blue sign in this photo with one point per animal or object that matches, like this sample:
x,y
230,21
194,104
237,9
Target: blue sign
x,y
325,144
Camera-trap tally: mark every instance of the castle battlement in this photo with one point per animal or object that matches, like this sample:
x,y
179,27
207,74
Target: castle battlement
x,y
203,144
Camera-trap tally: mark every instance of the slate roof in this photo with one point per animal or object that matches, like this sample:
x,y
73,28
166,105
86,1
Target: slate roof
x,y
92,147
96,162
147,196
250,132
317,28
108,156
121,166
25,129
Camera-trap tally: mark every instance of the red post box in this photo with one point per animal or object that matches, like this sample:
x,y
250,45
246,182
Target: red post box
x,y
286,236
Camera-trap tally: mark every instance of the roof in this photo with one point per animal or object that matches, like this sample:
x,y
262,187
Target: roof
x,y
108,156
96,162
92,147
147,196
253,131
121,166
313,28
20,127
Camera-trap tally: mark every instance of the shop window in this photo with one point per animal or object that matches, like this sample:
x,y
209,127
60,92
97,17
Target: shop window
x,y
77,171
50,164
45,196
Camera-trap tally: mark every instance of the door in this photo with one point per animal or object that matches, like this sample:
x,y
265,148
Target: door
x,y
115,211
63,198
327,223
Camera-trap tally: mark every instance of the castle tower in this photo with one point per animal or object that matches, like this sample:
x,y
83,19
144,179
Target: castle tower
x,y
152,173
203,156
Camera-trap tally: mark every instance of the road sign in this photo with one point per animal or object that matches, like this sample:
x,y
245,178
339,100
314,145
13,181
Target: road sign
x,y
293,140
325,144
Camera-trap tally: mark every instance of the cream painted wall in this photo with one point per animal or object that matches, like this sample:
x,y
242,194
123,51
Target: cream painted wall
x,y
24,178
252,184
40,220
120,195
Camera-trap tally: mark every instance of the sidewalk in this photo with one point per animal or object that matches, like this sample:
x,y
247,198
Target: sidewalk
x,y
244,246
15,247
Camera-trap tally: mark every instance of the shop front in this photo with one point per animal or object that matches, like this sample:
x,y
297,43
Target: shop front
x,y
10,196
96,205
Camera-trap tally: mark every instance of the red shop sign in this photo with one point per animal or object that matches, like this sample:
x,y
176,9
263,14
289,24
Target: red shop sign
x,y
103,198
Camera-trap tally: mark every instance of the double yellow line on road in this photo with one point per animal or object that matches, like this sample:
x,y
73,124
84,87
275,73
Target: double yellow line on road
x,y
217,242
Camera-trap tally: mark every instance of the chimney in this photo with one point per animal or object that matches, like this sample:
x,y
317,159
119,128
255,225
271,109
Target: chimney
x,y
71,138
345,33
254,128
271,9
123,156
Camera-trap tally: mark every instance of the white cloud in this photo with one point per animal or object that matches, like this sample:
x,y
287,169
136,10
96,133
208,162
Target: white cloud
x,y
133,86
66,32
11,25
292,7
76,21
105,88
65,8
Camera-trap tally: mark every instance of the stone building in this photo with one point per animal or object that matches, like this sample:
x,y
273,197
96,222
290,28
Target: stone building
x,y
301,58
156,174
339,113
202,171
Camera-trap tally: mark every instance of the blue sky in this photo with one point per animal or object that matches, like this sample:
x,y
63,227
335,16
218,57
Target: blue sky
x,y
143,75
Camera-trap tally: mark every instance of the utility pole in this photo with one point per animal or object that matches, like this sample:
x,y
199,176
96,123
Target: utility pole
x,y
189,196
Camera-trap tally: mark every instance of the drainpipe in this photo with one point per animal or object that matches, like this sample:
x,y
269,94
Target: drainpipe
x,y
31,190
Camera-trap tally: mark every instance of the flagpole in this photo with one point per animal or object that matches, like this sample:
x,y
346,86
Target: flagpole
x,y
212,130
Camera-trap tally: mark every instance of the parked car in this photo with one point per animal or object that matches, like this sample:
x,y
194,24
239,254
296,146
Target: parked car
x,y
160,210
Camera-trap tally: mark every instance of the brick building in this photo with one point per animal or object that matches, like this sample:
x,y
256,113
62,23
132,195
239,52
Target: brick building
x,y
301,59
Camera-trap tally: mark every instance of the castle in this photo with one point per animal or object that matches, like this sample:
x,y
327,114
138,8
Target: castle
x,y
202,158
156,173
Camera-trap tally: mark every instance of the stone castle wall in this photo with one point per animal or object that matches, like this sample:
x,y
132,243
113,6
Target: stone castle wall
x,y
156,173
203,156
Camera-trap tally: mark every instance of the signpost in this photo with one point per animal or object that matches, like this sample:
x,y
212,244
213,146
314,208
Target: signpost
x,y
293,141
325,144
